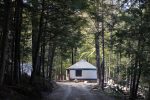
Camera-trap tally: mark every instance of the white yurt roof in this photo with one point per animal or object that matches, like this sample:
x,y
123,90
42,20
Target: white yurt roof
x,y
82,64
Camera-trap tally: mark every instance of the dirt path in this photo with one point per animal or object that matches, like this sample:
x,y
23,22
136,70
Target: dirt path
x,y
75,91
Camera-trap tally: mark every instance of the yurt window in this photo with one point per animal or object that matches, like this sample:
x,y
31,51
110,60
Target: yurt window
x,y
78,72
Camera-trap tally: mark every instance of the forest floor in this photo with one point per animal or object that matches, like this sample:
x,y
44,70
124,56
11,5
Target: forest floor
x,y
77,91
25,90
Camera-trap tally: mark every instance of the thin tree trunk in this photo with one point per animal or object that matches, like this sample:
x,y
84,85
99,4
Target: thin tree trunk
x,y
98,58
131,77
43,56
148,97
132,94
18,22
12,57
61,68
109,65
103,51
35,22
75,55
72,55
138,78
50,59
133,91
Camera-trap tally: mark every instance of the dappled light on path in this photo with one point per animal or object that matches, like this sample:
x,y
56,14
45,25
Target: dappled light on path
x,y
76,91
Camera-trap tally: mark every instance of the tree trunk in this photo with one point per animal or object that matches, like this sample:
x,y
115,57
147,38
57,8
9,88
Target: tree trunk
x,y
43,56
50,59
136,72
72,55
35,22
4,41
18,22
132,92
75,55
36,39
103,51
138,78
97,44
12,57
98,58
61,68
148,97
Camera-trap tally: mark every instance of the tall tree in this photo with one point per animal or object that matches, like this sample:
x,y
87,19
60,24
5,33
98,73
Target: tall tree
x,y
36,37
17,32
4,39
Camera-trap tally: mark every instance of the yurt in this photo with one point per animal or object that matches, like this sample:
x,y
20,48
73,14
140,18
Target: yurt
x,y
81,70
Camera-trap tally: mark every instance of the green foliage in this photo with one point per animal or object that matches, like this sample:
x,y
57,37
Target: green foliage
x,y
79,5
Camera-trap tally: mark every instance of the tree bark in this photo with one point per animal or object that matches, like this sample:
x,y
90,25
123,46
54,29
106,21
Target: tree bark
x,y
132,93
103,51
98,58
148,97
97,43
4,41
61,68
138,78
18,22
36,39
35,22
43,55
50,59
75,55
72,55
136,71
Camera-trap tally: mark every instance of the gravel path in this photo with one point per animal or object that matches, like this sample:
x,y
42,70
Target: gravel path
x,y
75,91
